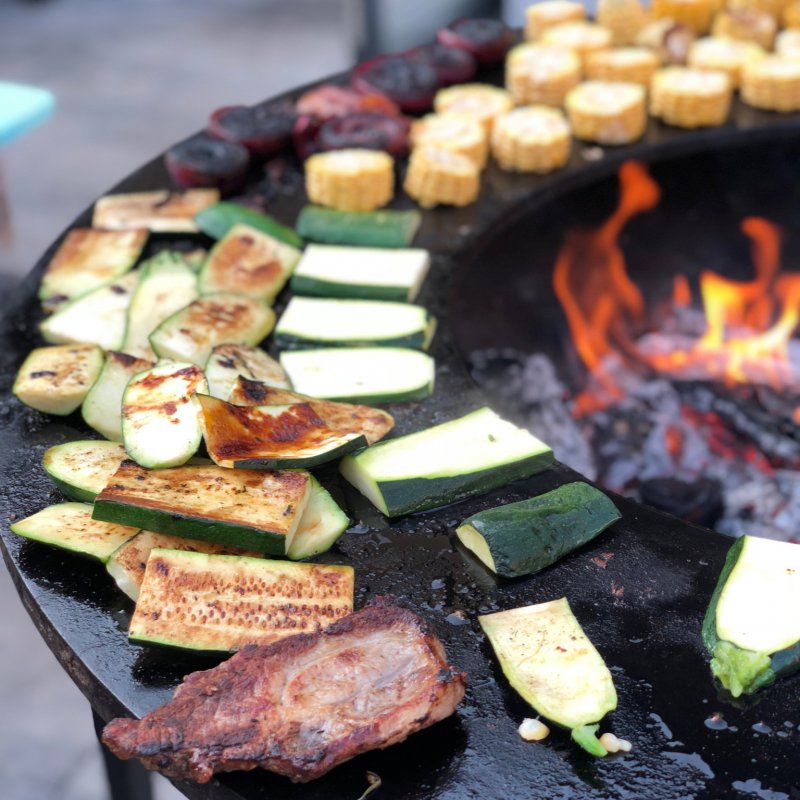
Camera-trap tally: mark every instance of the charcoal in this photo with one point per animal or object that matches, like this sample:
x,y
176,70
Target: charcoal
x,y
741,411
699,501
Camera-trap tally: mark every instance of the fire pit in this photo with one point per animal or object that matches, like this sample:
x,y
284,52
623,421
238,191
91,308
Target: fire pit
x,y
646,325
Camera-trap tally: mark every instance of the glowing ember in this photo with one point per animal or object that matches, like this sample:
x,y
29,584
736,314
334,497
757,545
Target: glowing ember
x,y
748,323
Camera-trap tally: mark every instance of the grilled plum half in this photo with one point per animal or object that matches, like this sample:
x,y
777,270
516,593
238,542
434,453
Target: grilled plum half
x,y
263,130
206,161
486,39
409,81
452,64
329,100
365,129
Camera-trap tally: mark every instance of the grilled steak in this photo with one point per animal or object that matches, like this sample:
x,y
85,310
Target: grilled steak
x,y
302,705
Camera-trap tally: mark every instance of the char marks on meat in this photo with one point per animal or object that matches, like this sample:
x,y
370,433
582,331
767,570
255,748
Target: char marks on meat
x,y
302,705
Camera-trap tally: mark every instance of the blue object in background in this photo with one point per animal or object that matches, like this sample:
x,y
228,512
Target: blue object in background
x,y
22,108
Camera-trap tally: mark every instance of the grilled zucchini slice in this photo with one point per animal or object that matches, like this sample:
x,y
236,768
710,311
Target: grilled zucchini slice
x,y
550,661
98,317
160,427
323,522
253,509
361,374
82,469
384,228
448,462
365,273
87,259
248,262
70,526
228,361
272,437
163,211
751,627
192,333
198,601
56,379
372,422
166,285
310,321
218,219
102,407
127,563
525,537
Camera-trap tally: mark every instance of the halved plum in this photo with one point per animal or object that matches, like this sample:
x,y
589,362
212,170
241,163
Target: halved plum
x,y
408,81
329,100
452,64
204,161
264,130
367,129
487,39
305,134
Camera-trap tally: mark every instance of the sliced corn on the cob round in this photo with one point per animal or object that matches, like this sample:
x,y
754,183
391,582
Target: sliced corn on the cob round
x,y
458,133
478,100
772,83
626,64
531,139
690,98
443,177
624,18
787,43
774,8
754,26
541,16
581,37
727,55
350,180
696,14
539,74
607,113
790,18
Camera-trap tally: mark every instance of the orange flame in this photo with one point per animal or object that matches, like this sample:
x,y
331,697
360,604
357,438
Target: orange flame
x,y
748,323
591,281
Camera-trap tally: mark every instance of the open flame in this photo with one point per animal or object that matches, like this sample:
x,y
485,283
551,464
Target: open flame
x,y
748,323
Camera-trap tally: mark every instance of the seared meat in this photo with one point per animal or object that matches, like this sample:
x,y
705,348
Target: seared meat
x,y
302,705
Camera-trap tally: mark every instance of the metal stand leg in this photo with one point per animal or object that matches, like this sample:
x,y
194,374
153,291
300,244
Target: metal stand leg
x,y
127,780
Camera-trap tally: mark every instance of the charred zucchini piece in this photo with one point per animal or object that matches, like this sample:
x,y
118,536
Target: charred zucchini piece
x,y
364,273
525,537
751,628
102,407
87,259
253,509
361,374
372,422
162,211
160,427
217,220
248,262
313,321
70,526
323,522
549,660
192,333
81,469
127,563
228,361
166,285
364,229
56,379
208,602
272,437
98,317
448,462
